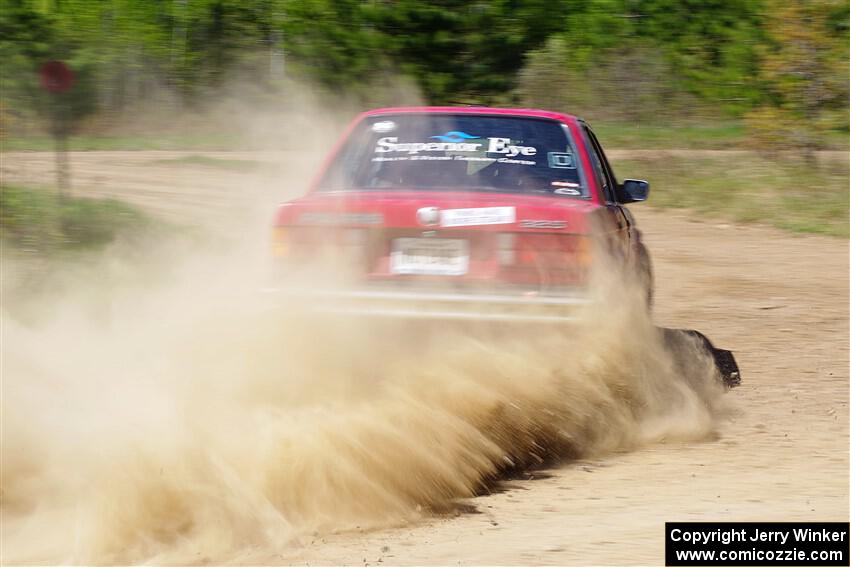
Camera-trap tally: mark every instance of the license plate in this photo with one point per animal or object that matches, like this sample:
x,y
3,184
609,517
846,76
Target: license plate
x,y
429,256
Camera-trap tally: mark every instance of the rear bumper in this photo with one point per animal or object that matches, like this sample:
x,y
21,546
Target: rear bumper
x,y
486,308
448,306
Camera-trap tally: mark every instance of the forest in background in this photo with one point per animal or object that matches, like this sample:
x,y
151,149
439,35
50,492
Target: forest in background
x,y
780,68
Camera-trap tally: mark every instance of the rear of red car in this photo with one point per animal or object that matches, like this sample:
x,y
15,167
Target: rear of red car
x,y
447,213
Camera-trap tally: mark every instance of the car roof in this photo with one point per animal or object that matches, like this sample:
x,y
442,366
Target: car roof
x,y
484,110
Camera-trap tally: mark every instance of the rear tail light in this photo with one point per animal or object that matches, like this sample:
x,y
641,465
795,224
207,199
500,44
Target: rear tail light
x,y
583,251
280,242
553,251
287,240
343,250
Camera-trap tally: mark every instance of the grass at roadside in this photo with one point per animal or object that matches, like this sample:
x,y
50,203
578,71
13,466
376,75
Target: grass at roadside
x,y
749,188
720,135
713,136
40,222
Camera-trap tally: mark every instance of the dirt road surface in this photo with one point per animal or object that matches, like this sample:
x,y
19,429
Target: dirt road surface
x,y
780,301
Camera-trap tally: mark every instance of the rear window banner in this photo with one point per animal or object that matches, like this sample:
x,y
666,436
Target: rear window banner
x,y
451,152
494,145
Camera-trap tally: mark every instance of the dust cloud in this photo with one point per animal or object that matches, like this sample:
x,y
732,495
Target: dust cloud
x,y
197,422
168,411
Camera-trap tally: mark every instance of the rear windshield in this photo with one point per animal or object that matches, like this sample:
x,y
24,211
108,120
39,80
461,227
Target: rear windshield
x,y
457,152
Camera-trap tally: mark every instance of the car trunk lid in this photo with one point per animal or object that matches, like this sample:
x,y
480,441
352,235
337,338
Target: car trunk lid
x,y
446,238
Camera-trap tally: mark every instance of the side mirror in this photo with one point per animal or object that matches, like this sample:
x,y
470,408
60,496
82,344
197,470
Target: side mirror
x,y
633,191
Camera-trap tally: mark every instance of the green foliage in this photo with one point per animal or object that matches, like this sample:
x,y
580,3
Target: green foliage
x,y
633,82
714,135
29,39
42,222
458,51
806,73
711,44
331,41
647,55
633,61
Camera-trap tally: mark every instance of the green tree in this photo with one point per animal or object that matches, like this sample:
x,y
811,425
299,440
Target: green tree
x,y
805,70
455,50
632,51
30,39
633,59
711,44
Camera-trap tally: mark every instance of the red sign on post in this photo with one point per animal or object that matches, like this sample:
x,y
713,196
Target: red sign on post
x,y
56,76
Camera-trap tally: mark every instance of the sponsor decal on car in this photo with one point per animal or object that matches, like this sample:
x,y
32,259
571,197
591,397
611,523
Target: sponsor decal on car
x,y
457,142
390,144
384,126
477,216
504,146
455,136
561,160
566,188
